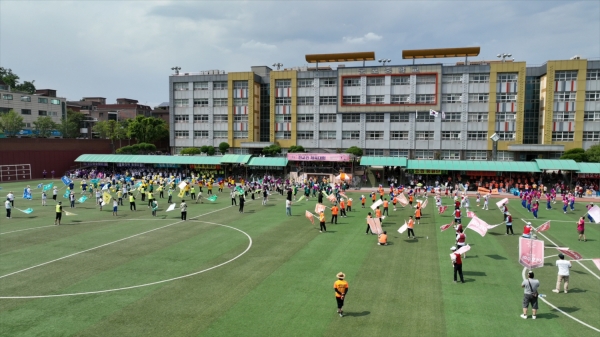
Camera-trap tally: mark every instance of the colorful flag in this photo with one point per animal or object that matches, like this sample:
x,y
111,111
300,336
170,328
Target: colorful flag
x,y
597,262
444,227
95,181
26,211
67,193
594,212
402,200
69,213
39,185
544,227
531,253
181,193
319,208
325,194
478,226
443,209
331,198
403,228
376,204
463,249
433,113
470,214
501,202
47,187
170,208
105,187
310,217
66,180
424,204
343,195
375,225
82,199
572,254
138,184
106,198
212,198
182,185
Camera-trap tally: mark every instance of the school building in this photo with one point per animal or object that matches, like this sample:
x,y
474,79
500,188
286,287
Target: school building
x,y
419,111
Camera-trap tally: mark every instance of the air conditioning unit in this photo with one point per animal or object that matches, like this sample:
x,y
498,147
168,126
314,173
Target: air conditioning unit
x,y
576,57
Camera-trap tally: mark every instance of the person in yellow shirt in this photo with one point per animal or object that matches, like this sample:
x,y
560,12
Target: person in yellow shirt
x,y
341,289
322,222
382,239
411,225
150,198
209,186
120,197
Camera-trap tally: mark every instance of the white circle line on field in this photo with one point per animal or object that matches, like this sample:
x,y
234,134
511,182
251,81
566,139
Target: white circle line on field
x,y
151,283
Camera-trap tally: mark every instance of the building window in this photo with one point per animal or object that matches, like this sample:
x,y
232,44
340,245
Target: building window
x,y
451,155
563,116
220,85
240,134
507,77
329,100
43,100
200,102
479,78
25,98
375,117
478,117
350,100
328,82
201,85
374,152
327,118
241,151
423,154
240,85
200,118
305,118
55,101
305,100
398,135
219,101
279,118
283,135
240,101
25,111
375,99
181,118
505,156
283,101
452,78
374,135
351,118
567,96
450,135
592,75
201,134
505,136
352,82
327,134
4,110
283,84
399,117
220,118
399,153
592,96
425,79
376,81
306,83
554,155
305,135
424,135
182,134
351,134
501,97
219,134
425,117
399,99
476,155
591,136
452,117
451,98
42,113
505,116
240,118
567,75
477,135
591,116
181,86
7,97
181,103
425,98
400,80
479,98
562,136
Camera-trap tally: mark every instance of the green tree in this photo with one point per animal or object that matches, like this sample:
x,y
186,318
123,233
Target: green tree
x,y
69,126
211,150
593,154
204,149
577,154
296,148
147,129
355,150
11,123
223,147
12,80
190,151
272,150
110,129
127,150
44,126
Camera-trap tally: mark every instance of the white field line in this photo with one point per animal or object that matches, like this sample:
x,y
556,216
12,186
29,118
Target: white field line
x,y
581,264
26,229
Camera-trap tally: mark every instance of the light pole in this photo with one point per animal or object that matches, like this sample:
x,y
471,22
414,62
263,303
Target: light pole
x,y
176,69
278,65
504,56
384,61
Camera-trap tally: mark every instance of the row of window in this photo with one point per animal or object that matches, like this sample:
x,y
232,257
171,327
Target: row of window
x,y
40,112
216,118
445,154
42,100
570,96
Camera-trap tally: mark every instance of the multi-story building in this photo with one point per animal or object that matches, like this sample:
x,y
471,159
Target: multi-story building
x,y
537,112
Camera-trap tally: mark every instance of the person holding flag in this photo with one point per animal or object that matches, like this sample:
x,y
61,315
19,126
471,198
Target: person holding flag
x,y
154,206
362,200
457,264
534,209
411,225
581,229
322,227
72,199
59,212
486,200
54,193
386,206
382,239
334,213
170,194
461,240
509,224
120,197
150,198
590,206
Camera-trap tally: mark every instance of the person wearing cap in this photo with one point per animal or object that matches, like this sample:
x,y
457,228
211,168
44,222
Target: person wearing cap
x,y
341,289
531,286
563,273
461,240
457,263
509,224
382,239
59,212
527,230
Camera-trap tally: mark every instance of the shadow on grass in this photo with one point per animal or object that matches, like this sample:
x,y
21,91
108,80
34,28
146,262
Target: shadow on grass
x,y
576,271
474,273
566,309
357,314
546,316
495,234
577,290
411,240
496,257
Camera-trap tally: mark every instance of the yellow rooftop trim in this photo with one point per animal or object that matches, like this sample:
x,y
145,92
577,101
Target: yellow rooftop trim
x,y
341,57
440,52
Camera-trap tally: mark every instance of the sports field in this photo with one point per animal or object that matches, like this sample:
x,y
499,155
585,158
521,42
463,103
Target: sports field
x,y
262,273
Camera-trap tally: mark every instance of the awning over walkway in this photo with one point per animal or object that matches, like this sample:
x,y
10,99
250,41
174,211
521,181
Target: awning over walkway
x,y
557,164
473,165
268,161
383,161
235,158
589,168
148,159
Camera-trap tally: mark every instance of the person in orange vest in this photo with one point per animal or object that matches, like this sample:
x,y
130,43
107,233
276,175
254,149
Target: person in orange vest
x,y
418,215
343,208
368,226
381,193
395,201
349,206
334,213
411,225
373,196
322,227
378,214
386,204
362,200
382,239
410,199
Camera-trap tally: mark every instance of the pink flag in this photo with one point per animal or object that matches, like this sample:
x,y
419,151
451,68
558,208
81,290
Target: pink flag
x,y
443,209
319,208
501,202
572,254
479,226
402,199
343,195
310,217
464,249
375,225
424,203
331,198
444,227
597,262
595,213
470,214
531,253
544,227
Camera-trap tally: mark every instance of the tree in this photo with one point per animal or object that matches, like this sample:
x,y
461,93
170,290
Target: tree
x,y
12,80
204,149
355,150
190,151
11,123
111,129
296,148
272,150
147,129
593,154
69,126
141,148
223,147
44,126
211,150
577,154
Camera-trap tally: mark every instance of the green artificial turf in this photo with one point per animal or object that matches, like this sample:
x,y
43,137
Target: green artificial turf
x,y
283,284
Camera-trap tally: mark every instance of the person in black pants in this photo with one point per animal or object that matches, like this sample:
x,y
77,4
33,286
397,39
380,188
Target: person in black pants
x,y
457,263
320,197
183,208
242,200
233,202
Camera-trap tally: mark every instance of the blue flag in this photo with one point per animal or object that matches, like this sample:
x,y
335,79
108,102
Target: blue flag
x,y
66,180
67,193
40,185
49,186
212,198
27,211
82,199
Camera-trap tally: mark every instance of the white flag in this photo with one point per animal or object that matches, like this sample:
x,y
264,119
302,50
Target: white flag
x,y
172,207
403,228
594,212
433,113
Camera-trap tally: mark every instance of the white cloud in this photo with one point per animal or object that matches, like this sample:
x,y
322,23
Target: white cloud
x,y
252,44
367,37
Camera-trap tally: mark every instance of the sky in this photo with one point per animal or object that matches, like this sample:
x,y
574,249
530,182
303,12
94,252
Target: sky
x,y
117,49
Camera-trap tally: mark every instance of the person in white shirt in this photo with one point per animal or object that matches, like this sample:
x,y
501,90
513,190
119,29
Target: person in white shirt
x,y
8,207
54,193
288,207
11,197
563,273
486,200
